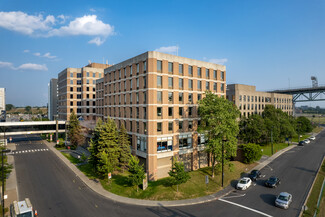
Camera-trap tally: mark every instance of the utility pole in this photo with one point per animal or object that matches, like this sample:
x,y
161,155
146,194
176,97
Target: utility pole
x,y
222,160
272,139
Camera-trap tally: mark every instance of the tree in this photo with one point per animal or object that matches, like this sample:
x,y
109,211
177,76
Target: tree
x,y
137,173
178,174
125,151
28,109
9,107
94,147
109,150
303,125
252,129
219,121
74,131
252,153
7,168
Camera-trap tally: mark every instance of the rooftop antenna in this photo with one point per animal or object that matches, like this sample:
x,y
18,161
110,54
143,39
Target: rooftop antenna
x,y
314,81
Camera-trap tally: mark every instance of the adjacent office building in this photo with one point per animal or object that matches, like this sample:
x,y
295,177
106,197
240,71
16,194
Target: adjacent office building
x,y
2,104
53,99
249,101
77,91
155,95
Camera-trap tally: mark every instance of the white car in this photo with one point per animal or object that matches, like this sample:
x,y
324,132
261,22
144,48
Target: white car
x,y
283,200
307,141
312,138
244,183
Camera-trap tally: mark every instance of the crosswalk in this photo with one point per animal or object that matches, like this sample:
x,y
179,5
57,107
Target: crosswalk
x,y
28,151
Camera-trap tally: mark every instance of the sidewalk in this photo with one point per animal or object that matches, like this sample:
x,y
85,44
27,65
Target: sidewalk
x,y
11,183
97,187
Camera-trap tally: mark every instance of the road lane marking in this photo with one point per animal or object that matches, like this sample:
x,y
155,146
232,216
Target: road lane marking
x,y
239,195
245,207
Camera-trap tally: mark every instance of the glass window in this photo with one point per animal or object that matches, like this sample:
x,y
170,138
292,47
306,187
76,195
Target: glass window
x,y
159,65
94,74
87,74
144,97
207,85
199,85
180,97
87,81
159,96
159,126
170,96
199,97
131,84
170,67
130,98
144,112
222,76
180,83
78,82
71,74
144,66
190,70
190,97
71,81
124,72
159,111
170,111
180,69
170,126
138,83
190,124
130,69
190,84
164,144
180,125
144,82
199,72
185,141
170,82
138,68
190,111
79,75
180,111
215,74
159,81
215,86
207,75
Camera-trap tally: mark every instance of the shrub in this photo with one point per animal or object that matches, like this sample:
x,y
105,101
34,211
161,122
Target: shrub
x,y
252,153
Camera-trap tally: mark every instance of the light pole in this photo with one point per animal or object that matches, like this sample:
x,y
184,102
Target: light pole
x,y
222,160
272,139
3,181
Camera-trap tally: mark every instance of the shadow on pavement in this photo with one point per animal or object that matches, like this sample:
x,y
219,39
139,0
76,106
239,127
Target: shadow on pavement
x,y
168,212
268,198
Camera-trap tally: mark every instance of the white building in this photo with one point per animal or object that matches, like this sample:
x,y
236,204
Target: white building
x,y
2,99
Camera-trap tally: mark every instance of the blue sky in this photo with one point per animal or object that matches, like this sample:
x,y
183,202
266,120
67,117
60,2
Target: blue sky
x,y
270,44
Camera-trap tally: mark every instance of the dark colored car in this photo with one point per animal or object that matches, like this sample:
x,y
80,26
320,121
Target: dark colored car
x,y
272,182
254,175
301,143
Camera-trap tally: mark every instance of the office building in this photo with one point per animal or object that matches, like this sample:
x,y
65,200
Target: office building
x,y
249,101
77,91
2,104
155,96
53,99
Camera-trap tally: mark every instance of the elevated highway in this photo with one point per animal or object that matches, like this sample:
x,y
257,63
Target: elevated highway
x,y
304,94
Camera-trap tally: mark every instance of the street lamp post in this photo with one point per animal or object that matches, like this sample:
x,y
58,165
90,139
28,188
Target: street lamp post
x,y
222,160
272,139
3,181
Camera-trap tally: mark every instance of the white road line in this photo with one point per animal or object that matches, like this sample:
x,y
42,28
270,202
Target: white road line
x,y
245,207
239,195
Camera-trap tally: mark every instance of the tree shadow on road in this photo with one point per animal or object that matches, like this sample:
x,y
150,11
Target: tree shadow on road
x,y
268,198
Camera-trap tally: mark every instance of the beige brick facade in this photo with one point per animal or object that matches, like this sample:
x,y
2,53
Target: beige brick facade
x,y
249,101
155,96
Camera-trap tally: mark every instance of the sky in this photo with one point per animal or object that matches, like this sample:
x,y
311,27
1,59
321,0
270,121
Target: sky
x,y
270,44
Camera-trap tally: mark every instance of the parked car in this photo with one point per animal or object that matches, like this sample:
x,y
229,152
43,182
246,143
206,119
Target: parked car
x,y
312,138
307,141
301,143
254,175
244,183
272,182
283,200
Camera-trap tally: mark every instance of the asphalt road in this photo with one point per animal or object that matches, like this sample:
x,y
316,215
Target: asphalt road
x,y
56,192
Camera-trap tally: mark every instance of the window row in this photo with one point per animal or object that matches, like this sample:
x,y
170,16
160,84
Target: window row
x,y
79,89
259,106
79,82
127,98
128,71
262,99
120,86
79,75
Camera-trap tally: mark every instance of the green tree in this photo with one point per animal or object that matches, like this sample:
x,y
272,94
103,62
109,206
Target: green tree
x,y
303,125
7,168
178,174
28,109
252,129
125,151
219,121
9,107
109,150
137,173
252,153
74,131
94,146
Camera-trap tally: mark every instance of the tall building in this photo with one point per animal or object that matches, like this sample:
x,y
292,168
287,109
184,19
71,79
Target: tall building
x,y
155,96
77,91
53,99
2,104
249,101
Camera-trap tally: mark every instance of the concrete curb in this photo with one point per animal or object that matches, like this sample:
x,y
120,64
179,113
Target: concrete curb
x,y
11,184
97,187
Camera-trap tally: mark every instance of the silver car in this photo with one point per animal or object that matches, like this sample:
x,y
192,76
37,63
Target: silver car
x,y
283,200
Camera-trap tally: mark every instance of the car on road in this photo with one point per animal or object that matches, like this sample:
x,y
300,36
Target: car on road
x,y
254,175
312,138
244,183
301,143
272,182
307,141
283,200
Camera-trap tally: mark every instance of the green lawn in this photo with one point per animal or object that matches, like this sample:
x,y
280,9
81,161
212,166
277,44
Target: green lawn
x,y
267,149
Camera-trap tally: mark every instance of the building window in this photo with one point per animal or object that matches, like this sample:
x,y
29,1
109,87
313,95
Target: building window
x,y
201,140
131,84
87,74
78,82
94,74
180,69
180,111
130,69
144,66
79,75
159,96
145,127
144,112
170,67
124,72
215,74
199,97
190,125
130,98
170,111
190,97
164,144
159,65
215,86
185,141
190,111
180,125
144,82
170,97
190,71
138,68
180,83
87,88
71,103
137,95
199,85
71,74
159,81
159,126
71,81
71,89
137,112
222,76
207,85
170,126
199,72
180,97
190,84
138,83
159,111
79,96
141,143
207,74
170,82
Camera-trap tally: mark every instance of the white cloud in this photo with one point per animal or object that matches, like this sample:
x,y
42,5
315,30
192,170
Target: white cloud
x,y
97,41
49,26
37,54
23,23
32,66
26,66
170,49
219,61
26,51
48,55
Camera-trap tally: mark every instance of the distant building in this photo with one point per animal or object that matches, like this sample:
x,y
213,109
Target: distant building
x,y
2,99
53,99
155,96
249,101
77,91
